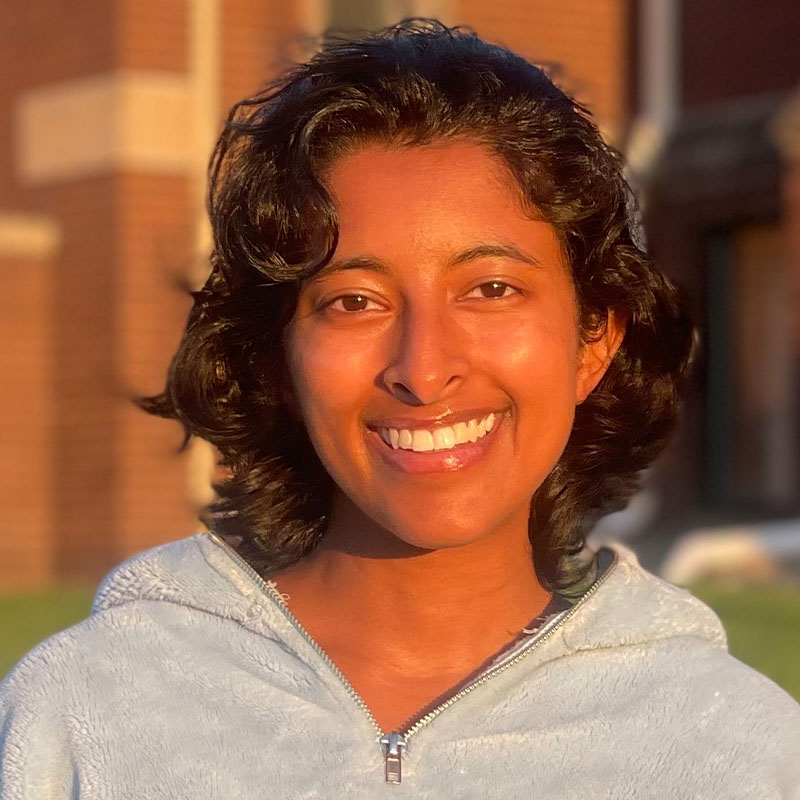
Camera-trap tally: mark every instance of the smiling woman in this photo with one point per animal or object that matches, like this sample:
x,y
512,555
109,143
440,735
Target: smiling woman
x,y
430,353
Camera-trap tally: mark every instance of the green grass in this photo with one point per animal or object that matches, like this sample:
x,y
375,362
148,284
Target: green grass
x,y
26,618
763,624
763,627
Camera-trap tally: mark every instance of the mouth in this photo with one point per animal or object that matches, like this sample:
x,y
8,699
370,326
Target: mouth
x,y
441,448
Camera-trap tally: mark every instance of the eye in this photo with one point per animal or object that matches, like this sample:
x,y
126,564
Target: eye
x,y
492,290
350,303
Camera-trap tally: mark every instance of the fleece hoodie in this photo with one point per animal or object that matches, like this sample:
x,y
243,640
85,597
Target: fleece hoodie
x,y
191,679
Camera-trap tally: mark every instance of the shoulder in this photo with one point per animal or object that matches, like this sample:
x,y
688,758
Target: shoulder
x,y
722,687
743,693
40,713
654,658
141,607
77,689
629,605
740,723
64,668
181,603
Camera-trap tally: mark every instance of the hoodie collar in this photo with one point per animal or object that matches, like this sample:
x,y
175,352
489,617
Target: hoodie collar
x,y
627,605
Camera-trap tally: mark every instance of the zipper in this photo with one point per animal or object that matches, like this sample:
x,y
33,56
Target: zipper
x,y
272,592
395,742
393,746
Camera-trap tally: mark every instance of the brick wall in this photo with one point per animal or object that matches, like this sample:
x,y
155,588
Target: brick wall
x,y
151,34
259,38
154,246
42,41
90,480
26,462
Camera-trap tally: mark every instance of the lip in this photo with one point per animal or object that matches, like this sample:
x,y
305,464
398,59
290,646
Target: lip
x,y
448,419
458,458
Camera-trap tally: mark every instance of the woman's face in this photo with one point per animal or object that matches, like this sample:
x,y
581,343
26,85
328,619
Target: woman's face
x,y
437,360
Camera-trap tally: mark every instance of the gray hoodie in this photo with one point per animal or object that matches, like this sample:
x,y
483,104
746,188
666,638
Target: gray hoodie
x,y
190,679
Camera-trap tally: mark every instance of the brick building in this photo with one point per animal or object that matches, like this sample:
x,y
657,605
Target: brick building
x,y
109,112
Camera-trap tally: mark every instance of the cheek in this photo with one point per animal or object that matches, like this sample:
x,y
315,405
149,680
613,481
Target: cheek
x,y
537,369
535,358
329,373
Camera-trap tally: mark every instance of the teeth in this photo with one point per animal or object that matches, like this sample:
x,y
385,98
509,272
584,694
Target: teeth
x,y
421,441
462,434
444,438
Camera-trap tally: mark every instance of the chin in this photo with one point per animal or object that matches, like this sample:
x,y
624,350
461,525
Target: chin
x,y
441,534
390,528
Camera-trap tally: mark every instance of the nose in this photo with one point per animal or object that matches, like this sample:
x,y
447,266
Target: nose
x,y
428,362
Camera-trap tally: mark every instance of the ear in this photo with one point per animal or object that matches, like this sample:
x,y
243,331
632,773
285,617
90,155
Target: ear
x,y
597,352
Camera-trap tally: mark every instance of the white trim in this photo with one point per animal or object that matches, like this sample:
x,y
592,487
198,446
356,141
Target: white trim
x,y
207,121
131,120
28,236
659,70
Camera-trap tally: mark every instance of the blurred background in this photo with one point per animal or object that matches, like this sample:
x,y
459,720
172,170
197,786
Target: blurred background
x,y
109,110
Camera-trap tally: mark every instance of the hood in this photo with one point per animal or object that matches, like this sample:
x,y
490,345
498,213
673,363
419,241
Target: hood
x,y
627,605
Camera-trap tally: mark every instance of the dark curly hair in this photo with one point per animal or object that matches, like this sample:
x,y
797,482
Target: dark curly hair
x,y
275,224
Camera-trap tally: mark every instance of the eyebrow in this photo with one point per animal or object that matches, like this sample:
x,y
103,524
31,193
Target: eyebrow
x,y
494,251
509,251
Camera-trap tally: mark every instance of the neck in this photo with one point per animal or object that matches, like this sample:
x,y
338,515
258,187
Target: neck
x,y
429,612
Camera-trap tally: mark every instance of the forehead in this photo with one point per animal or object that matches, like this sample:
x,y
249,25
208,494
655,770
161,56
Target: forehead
x,y
440,163
428,196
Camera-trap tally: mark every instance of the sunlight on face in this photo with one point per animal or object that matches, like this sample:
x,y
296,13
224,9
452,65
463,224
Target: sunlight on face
x,y
444,303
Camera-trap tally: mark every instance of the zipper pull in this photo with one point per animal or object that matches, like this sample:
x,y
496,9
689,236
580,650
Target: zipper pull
x,y
393,745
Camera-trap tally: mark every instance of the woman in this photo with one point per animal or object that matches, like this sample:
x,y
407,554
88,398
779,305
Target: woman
x,y
431,354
